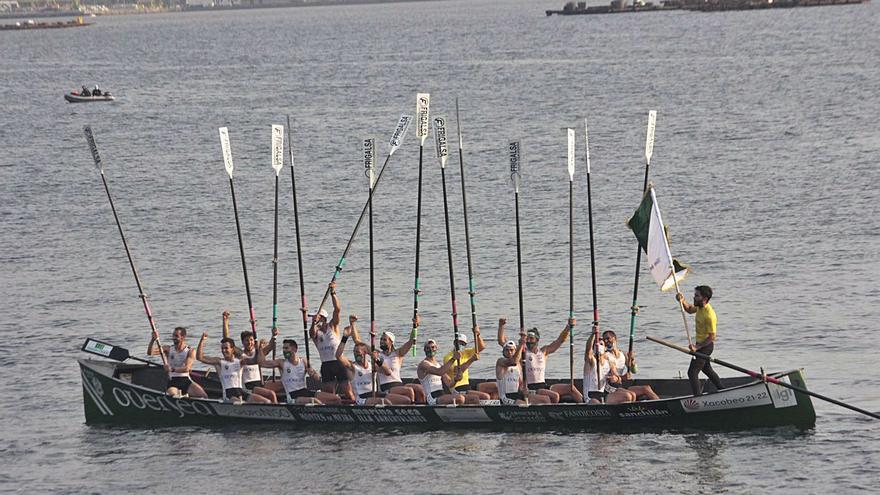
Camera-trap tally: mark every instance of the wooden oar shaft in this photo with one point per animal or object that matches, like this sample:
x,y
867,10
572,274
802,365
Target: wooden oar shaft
x,y
247,286
760,376
467,235
304,307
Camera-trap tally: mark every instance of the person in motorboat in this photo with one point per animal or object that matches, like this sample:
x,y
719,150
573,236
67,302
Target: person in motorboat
x,y
536,358
180,360
229,370
85,91
361,370
388,376
96,91
294,371
622,363
459,378
596,389
251,375
432,375
326,336
508,375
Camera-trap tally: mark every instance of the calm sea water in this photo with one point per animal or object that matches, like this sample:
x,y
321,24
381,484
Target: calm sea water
x,y
765,165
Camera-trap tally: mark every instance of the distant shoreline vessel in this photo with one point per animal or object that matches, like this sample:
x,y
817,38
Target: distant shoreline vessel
x,y
620,6
31,24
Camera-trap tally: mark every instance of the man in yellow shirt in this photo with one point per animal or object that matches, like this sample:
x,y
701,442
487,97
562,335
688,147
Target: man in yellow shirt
x,y
704,322
461,379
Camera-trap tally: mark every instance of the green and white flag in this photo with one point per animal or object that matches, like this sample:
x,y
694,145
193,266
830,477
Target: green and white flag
x,y
647,224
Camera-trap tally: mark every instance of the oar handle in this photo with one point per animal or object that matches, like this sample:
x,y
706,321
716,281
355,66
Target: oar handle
x,y
762,377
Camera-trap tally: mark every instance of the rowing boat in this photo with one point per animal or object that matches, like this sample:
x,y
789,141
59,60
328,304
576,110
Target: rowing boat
x,y
133,394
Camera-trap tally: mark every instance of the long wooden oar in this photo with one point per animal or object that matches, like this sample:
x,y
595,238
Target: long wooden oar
x,y
571,167
396,140
423,102
93,147
304,307
592,263
104,349
277,165
227,161
762,377
514,151
634,309
370,171
442,146
472,291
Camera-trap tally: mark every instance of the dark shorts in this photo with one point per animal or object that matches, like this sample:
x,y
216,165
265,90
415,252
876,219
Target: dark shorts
x,y
593,394
181,383
515,396
236,393
463,388
303,392
388,386
370,394
333,371
437,393
538,386
253,384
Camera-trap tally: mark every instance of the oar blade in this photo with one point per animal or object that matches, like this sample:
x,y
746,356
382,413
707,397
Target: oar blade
x,y
571,153
370,160
649,138
399,133
441,143
104,349
277,148
423,105
514,153
93,147
227,150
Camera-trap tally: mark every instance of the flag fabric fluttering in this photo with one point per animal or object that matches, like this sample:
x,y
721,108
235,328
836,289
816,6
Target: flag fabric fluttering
x,y
647,224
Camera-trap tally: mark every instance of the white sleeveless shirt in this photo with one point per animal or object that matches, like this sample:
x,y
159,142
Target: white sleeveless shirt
x,y
362,381
251,372
327,342
536,363
177,359
619,363
293,376
510,381
590,376
431,383
230,374
393,362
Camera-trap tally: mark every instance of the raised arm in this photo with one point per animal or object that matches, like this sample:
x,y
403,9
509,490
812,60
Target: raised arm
x,y
352,324
467,364
502,336
479,343
554,346
337,307
407,346
588,352
226,324
690,308
152,349
340,349
200,354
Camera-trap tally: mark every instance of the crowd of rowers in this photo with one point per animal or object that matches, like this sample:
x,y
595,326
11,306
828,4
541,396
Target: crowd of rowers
x,y
346,381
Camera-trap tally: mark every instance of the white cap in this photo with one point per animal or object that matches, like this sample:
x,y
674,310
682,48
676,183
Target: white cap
x,y
323,313
462,337
389,335
510,344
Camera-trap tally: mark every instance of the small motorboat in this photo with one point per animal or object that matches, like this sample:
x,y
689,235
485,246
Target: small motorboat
x,y
74,97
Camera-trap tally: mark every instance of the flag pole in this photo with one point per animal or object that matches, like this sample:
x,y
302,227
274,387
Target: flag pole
x,y
369,171
304,307
592,262
423,101
571,169
442,148
472,291
93,147
277,165
514,151
634,308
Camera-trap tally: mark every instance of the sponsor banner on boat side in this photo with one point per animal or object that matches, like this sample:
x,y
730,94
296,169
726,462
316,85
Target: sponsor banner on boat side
x,y
130,398
462,414
755,395
374,415
637,411
254,411
522,415
781,396
580,413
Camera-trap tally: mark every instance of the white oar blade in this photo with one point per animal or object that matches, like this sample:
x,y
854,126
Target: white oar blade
x,y
399,133
370,160
440,141
277,148
514,152
423,104
227,150
93,147
587,144
649,138
571,153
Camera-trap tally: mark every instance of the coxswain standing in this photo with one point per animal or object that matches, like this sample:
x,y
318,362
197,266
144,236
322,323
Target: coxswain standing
x,y
229,370
326,335
180,360
705,323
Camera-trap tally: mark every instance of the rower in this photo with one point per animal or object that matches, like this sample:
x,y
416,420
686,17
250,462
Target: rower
x,y
536,358
362,372
251,375
508,375
458,377
229,370
432,375
325,334
622,363
294,371
180,361
388,376
598,391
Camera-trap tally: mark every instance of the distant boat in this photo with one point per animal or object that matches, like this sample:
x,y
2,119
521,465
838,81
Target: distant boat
x,y
74,97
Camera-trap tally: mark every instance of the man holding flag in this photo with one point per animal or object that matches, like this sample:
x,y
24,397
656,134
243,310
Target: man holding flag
x,y
704,322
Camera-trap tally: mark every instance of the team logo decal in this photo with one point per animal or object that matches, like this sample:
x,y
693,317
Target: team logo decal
x,y
690,404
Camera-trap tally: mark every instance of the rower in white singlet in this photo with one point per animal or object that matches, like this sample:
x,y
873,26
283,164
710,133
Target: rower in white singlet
x,y
326,336
180,359
536,361
618,361
596,388
229,370
294,374
252,377
389,363
432,375
508,373
361,371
